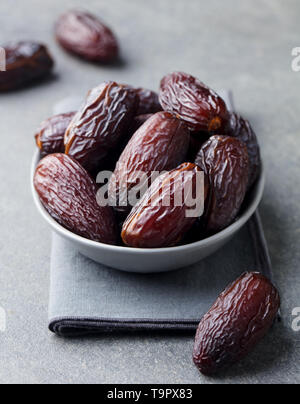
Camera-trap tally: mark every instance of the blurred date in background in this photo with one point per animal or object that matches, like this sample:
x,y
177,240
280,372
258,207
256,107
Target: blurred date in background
x,y
2,60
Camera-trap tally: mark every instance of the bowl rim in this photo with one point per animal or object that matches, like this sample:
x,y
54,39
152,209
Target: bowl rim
x,y
231,229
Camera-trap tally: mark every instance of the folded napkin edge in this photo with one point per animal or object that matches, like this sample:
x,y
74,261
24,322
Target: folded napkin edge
x,y
80,326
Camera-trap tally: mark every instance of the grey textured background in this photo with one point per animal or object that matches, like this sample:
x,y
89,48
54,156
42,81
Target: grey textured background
x,y
245,46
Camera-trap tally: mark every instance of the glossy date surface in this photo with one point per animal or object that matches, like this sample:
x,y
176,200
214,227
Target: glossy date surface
x,y
157,220
199,106
225,161
241,129
86,36
68,193
26,62
239,319
101,124
51,133
149,101
161,143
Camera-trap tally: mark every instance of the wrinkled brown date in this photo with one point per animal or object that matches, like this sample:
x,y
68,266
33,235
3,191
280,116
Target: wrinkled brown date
x,y
100,124
111,160
51,133
86,36
225,161
26,62
69,195
149,102
160,144
200,107
241,129
238,320
157,220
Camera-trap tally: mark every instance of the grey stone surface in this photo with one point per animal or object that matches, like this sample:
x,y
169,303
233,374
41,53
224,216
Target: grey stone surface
x,y
245,46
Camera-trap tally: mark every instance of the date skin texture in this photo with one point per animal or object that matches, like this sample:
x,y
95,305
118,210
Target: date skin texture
x,y
137,122
160,144
153,223
68,193
240,318
100,125
149,101
111,160
86,36
241,129
26,62
225,161
51,133
199,106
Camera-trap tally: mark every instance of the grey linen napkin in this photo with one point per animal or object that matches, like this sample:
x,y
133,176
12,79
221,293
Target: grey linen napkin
x,y
87,298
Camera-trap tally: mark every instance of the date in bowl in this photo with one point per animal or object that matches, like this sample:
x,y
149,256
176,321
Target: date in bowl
x,y
156,259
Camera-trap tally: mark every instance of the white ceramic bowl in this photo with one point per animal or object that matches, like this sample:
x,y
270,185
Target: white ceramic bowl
x,y
156,259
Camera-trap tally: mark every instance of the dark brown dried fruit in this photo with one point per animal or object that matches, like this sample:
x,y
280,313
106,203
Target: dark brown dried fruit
x,y
238,320
111,160
138,121
196,142
199,106
26,62
158,220
241,129
100,124
69,195
149,102
51,133
225,161
86,36
160,144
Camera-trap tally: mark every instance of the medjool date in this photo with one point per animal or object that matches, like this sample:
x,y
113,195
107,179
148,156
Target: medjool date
x,y
240,318
101,124
160,144
149,101
68,193
26,62
86,36
225,161
241,129
51,133
160,218
199,106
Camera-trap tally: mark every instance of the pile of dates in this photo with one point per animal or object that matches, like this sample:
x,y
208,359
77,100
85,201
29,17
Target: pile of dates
x,y
183,130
